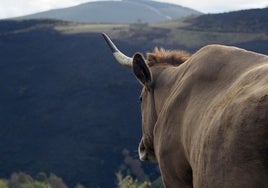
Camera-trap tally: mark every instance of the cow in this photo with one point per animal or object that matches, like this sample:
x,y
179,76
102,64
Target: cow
x,y
204,116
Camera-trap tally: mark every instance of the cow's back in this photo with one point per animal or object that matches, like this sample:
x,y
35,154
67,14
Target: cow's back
x,y
229,103
220,106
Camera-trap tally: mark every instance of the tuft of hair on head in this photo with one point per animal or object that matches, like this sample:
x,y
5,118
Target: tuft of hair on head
x,y
171,57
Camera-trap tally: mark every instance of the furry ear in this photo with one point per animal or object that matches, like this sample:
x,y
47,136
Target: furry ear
x,y
141,70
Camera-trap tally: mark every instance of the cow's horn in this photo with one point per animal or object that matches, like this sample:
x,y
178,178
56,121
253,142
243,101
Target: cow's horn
x,y
119,56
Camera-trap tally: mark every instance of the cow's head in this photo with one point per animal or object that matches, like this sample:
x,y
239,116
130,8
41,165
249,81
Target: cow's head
x,y
149,115
144,76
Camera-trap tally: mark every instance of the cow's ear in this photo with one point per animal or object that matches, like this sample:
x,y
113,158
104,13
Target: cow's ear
x,y
141,70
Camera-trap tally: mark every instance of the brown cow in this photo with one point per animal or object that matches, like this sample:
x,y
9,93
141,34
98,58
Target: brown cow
x,y
205,116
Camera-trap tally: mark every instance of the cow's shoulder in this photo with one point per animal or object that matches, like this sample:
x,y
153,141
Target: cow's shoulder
x,y
225,53
216,62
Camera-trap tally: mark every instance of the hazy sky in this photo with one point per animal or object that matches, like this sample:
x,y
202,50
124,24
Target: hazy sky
x,y
12,8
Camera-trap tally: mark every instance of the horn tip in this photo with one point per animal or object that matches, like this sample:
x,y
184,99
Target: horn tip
x,y
110,43
119,56
103,34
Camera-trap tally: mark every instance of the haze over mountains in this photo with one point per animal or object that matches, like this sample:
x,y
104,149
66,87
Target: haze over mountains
x,y
125,11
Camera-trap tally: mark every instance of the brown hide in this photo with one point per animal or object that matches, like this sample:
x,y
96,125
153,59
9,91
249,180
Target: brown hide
x,y
205,121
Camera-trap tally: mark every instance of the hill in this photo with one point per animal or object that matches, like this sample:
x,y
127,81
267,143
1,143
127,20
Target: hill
x,y
126,11
253,20
245,28
68,108
63,108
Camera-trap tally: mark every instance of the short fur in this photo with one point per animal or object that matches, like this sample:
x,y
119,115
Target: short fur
x,y
206,121
162,56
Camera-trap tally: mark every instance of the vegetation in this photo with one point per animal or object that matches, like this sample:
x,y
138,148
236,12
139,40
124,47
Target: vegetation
x,y
245,21
129,182
23,180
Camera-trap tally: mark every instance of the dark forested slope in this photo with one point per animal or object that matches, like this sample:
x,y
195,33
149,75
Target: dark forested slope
x,y
66,106
252,20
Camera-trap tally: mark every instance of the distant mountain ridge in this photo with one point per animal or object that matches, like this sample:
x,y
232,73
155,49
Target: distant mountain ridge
x,y
125,11
252,20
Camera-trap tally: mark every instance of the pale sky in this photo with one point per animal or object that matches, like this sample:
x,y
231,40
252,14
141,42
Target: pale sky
x,y
13,8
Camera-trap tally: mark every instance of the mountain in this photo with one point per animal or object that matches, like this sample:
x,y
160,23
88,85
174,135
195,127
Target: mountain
x,y
125,11
68,108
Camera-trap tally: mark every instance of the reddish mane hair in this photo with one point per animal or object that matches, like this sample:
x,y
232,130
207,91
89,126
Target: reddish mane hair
x,y
171,57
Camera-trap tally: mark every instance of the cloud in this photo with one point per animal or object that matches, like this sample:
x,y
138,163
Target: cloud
x,y
13,8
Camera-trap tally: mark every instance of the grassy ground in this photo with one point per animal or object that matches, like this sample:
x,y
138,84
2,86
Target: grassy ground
x,y
73,28
172,33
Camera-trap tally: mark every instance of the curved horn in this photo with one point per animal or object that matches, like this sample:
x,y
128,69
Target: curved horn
x,y
119,56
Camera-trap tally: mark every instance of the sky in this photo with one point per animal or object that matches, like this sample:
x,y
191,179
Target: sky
x,y
13,8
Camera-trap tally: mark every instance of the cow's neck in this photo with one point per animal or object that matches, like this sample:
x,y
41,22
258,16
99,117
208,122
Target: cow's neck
x,y
167,80
164,79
